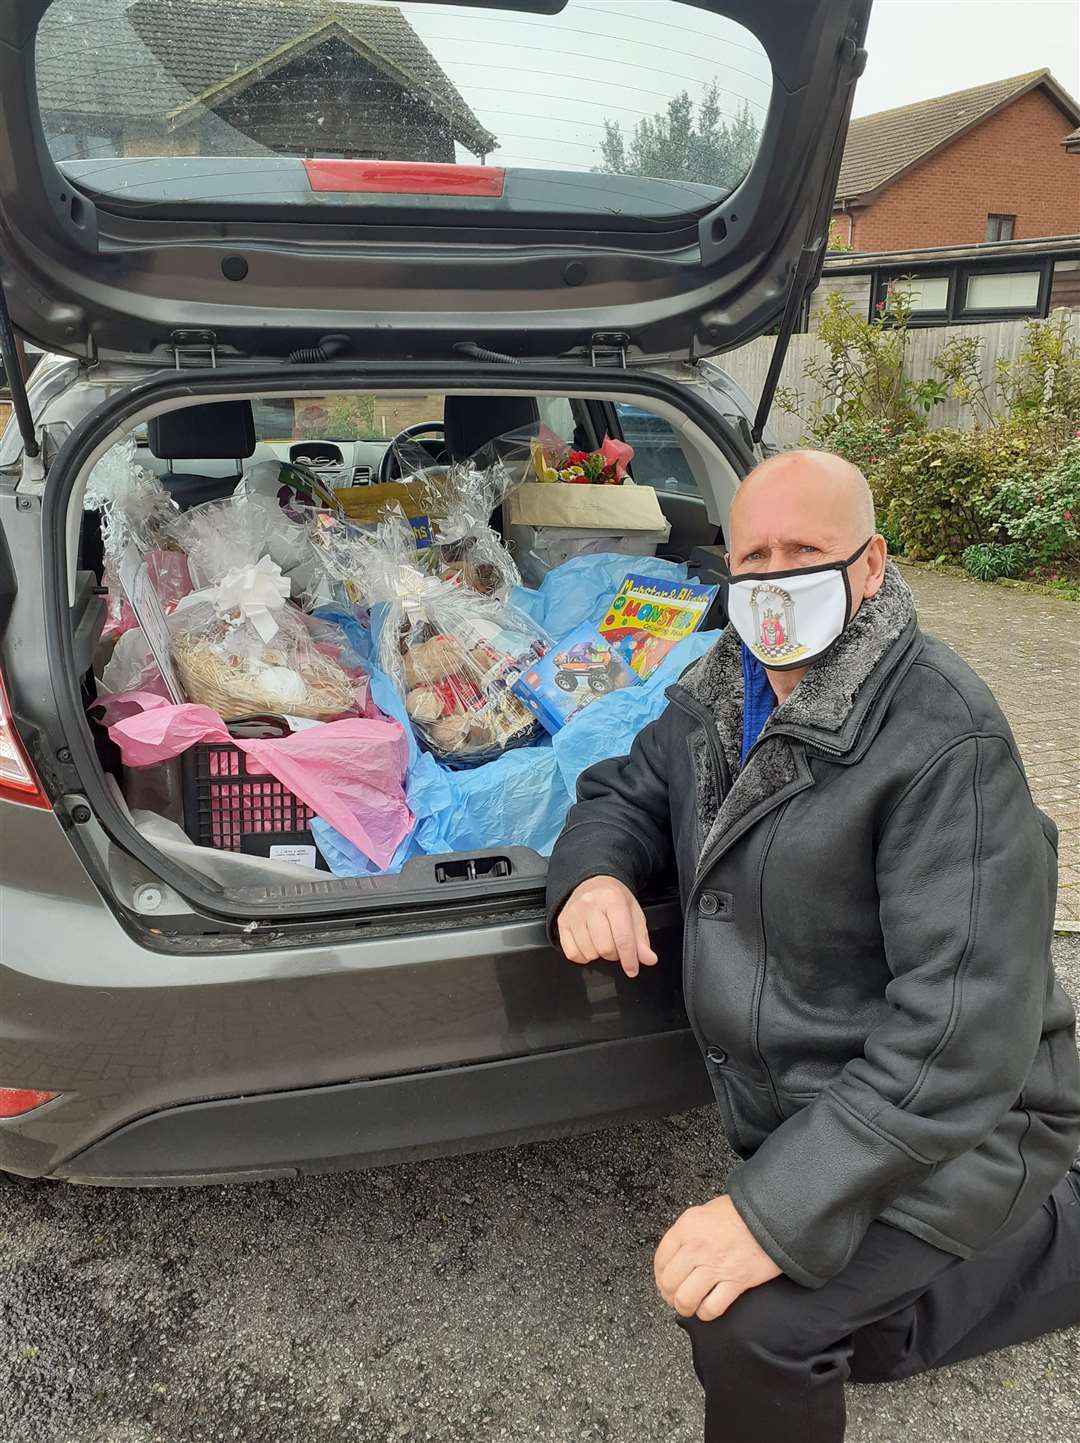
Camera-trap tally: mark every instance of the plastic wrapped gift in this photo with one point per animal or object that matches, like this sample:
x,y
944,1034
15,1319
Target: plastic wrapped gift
x,y
461,498
233,661
451,506
237,644
134,508
452,652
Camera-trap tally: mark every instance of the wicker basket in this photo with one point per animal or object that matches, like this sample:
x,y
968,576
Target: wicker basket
x,y
210,678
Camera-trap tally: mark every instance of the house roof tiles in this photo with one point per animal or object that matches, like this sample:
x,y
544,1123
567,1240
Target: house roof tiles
x,y
148,59
881,146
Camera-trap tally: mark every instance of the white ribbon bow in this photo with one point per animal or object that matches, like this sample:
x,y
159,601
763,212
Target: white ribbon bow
x,y
255,592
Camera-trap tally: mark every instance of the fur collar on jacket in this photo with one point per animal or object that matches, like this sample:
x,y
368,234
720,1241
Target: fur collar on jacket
x,y
822,702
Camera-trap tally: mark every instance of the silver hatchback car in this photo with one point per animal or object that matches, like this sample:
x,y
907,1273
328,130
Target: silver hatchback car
x,y
210,215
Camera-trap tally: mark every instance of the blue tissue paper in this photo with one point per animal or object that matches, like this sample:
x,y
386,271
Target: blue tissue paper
x,y
520,799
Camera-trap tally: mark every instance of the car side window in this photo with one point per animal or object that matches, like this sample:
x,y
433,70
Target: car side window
x,y
557,414
659,459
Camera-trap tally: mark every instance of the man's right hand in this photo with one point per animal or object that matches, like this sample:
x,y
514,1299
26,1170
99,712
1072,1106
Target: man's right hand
x,y
602,918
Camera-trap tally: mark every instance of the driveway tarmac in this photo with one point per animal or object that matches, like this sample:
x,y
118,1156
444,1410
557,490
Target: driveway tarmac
x,y
506,1296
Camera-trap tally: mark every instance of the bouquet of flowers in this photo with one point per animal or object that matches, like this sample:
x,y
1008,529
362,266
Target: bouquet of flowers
x,y
555,461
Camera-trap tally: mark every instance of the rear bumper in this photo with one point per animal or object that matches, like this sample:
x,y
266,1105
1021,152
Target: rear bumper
x,y
365,1124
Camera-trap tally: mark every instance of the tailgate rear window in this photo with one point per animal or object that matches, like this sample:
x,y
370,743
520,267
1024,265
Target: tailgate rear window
x,y
322,102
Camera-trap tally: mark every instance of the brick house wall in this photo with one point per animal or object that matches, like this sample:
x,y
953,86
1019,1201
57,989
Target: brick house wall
x,y
1012,164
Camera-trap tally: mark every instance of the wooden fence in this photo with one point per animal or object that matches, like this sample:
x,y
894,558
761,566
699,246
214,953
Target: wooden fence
x,y
1002,341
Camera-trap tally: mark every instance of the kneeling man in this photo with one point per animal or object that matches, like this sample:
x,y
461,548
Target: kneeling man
x,y
868,891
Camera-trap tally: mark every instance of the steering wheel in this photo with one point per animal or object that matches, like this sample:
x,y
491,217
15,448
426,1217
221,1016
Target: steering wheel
x,y
435,429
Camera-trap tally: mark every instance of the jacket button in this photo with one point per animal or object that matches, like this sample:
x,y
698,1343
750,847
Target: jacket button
x,y
716,1055
708,904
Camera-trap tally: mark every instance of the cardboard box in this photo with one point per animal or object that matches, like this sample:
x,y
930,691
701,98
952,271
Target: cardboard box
x,y
548,522
611,509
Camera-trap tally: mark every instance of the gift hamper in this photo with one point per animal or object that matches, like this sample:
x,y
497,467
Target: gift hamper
x,y
134,509
238,644
452,652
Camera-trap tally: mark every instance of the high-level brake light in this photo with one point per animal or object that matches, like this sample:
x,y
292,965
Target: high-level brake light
x,y
404,177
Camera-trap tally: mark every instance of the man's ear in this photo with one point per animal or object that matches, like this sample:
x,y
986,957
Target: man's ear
x,y
876,555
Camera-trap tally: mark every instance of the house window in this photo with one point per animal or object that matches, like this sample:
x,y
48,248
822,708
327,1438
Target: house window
x,y
929,294
1000,227
968,292
1003,291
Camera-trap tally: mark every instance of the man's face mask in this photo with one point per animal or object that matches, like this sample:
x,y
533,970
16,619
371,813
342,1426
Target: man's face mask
x,y
790,618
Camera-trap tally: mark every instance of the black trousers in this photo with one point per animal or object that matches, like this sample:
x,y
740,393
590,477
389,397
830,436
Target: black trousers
x,y
774,1366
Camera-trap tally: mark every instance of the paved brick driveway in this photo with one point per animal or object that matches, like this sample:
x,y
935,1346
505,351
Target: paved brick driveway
x,y
1026,647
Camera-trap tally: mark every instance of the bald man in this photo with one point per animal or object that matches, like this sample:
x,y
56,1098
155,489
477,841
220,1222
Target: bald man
x,y
869,900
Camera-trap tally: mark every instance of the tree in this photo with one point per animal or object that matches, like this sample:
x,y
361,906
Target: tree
x,y
674,144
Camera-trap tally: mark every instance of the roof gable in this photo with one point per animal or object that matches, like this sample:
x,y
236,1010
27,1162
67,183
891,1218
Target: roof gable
x,y
882,146
164,59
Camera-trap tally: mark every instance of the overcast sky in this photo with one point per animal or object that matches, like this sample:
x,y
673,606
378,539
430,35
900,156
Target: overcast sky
x,y
544,84
920,48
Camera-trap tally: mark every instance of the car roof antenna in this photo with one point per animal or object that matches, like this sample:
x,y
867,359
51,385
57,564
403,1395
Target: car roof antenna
x,y
20,401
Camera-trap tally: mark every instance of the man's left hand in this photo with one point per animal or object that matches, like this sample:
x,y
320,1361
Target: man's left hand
x,y
707,1259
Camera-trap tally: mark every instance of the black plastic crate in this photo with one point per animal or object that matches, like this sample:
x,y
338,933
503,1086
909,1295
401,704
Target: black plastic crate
x,y
230,805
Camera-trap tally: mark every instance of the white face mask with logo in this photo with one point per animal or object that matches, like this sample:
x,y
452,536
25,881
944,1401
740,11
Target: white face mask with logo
x,y
790,618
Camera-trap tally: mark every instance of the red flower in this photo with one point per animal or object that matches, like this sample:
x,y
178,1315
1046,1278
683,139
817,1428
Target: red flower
x,y
577,457
1067,515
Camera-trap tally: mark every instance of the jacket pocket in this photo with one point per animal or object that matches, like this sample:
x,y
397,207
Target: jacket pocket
x,y
746,1107
793,1102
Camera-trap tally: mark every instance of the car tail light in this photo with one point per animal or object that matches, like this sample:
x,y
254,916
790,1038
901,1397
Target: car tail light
x,y
404,177
18,782
14,1101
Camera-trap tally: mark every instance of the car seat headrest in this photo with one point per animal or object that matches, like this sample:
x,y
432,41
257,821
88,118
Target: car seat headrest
x,y
470,422
221,430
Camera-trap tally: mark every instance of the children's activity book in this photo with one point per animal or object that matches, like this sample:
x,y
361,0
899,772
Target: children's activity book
x,y
648,616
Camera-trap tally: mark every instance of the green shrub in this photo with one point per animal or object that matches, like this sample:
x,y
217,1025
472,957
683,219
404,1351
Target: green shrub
x,y
1042,383
893,536
863,373
1042,512
863,443
938,489
990,560
1040,386
340,418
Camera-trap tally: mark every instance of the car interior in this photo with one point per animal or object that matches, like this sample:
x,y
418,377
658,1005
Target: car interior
x,y
202,452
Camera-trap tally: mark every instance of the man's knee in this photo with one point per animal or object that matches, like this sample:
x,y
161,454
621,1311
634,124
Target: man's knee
x,y
769,1326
